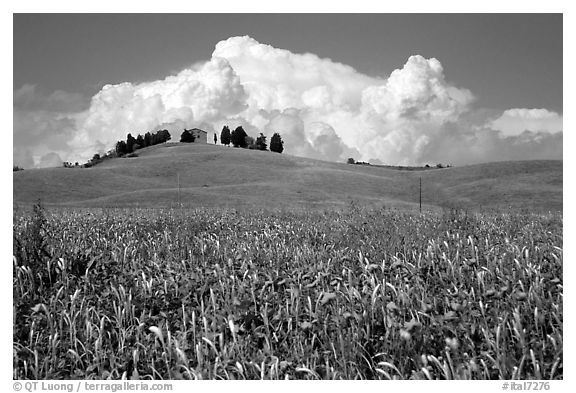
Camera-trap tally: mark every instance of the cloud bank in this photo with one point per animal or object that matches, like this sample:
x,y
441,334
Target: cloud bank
x,y
43,126
516,121
322,109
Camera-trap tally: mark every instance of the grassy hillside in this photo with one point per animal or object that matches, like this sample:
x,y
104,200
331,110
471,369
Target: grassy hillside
x,y
217,176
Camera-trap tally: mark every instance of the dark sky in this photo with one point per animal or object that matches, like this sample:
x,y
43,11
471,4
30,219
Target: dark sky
x,y
506,60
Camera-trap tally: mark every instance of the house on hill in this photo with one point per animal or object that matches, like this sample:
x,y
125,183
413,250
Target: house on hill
x,y
200,136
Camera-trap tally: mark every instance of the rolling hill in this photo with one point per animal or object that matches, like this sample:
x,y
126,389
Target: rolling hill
x,y
218,176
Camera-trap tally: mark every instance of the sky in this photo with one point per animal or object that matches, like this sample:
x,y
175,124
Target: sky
x,y
402,89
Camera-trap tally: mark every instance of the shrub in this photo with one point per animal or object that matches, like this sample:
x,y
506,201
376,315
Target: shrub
x,y
250,143
261,142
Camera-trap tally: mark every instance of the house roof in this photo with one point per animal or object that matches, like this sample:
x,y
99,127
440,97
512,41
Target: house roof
x,y
198,129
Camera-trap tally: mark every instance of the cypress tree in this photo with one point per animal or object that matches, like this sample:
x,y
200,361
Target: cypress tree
x,y
130,142
276,143
225,136
238,137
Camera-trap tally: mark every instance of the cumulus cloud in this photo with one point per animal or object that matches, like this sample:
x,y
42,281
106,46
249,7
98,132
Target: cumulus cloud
x,y
417,92
403,115
322,109
201,94
279,79
328,144
50,160
516,121
459,144
43,124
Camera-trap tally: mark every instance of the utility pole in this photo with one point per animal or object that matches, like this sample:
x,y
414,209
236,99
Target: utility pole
x,y
178,176
420,194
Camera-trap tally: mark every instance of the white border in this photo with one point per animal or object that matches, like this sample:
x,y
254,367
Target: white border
x,y
303,6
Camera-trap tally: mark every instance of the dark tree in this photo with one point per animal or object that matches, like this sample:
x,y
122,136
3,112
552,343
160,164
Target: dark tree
x,y
140,141
96,157
261,142
147,139
225,136
351,161
187,137
238,137
163,136
121,148
276,143
215,139
130,142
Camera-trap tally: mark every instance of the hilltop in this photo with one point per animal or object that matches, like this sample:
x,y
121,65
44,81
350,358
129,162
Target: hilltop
x,y
218,176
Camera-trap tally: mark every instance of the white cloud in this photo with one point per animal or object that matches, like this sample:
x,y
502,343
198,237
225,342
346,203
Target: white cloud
x,y
204,93
417,92
43,124
516,121
322,109
471,145
292,129
279,79
403,115
50,160
327,144
371,117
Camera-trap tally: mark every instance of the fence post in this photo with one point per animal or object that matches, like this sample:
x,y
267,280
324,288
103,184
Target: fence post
x,y
420,194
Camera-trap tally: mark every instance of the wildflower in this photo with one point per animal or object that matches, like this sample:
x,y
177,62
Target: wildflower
x,y
406,336
452,343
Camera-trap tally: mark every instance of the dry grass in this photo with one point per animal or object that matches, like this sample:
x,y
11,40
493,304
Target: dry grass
x,y
220,177
220,294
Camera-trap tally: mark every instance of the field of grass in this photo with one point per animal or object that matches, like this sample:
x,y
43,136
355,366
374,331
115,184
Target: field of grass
x,y
224,294
225,177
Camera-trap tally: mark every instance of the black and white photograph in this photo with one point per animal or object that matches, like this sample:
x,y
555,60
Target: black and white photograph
x,y
287,196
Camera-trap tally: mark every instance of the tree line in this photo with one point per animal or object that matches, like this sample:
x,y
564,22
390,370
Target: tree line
x,y
125,148
149,139
239,138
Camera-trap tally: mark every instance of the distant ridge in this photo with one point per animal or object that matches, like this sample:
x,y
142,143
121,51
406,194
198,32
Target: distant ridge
x,y
218,176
